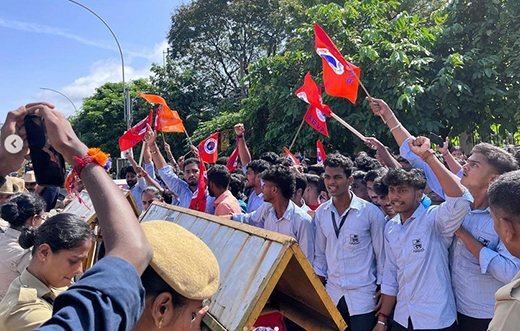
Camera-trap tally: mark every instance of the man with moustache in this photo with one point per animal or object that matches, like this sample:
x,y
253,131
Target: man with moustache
x,y
218,187
185,189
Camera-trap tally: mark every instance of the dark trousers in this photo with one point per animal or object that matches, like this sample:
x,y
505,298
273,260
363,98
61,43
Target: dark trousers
x,y
364,322
398,327
467,323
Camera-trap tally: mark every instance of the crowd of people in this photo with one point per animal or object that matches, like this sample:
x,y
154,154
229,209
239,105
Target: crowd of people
x,y
427,240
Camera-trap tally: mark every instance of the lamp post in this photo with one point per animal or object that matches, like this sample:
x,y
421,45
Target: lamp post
x,y
127,113
72,103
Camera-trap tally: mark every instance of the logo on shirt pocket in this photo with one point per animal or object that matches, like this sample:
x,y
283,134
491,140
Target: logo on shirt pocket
x,y
354,239
417,246
483,241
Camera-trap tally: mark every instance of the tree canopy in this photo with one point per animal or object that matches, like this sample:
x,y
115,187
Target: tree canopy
x,y
448,67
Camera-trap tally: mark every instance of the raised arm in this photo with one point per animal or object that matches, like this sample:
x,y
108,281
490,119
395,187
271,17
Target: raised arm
x,y
380,108
452,163
151,139
376,145
243,151
122,233
449,182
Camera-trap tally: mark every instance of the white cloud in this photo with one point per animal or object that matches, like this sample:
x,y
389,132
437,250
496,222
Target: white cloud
x,y
46,29
82,87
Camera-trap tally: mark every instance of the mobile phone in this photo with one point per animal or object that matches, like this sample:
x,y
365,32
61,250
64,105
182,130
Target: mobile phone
x,y
48,164
436,139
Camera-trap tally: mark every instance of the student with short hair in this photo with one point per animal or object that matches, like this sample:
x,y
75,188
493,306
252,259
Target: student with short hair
x,y
218,187
416,244
349,251
479,261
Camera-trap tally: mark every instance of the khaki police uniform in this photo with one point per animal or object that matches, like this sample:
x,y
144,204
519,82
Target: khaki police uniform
x,y
27,304
507,307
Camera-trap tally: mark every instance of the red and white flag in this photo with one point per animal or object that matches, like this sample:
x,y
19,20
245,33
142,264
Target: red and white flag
x,y
233,160
341,78
291,157
199,201
208,148
321,156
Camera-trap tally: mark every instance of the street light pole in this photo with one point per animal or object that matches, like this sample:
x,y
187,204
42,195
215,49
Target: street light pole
x,y
126,112
72,103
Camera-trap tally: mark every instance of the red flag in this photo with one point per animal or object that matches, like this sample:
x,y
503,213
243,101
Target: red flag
x,y
157,123
320,153
170,120
208,148
291,157
310,93
317,120
133,136
233,160
338,74
199,201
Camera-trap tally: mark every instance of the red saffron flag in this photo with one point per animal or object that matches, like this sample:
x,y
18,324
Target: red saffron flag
x,y
208,149
133,136
291,157
169,120
199,201
233,160
311,94
339,75
317,120
321,156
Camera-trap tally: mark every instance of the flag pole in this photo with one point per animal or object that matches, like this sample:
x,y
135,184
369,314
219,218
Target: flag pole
x,y
297,133
142,153
163,139
189,141
345,124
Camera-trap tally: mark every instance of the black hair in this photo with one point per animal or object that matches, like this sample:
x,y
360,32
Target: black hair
x,y
237,185
258,166
219,175
504,194
301,181
401,159
337,160
379,187
63,231
21,207
317,168
129,169
155,285
270,157
283,177
498,158
284,161
313,181
222,160
399,176
358,174
366,163
373,174
190,161
153,191
457,148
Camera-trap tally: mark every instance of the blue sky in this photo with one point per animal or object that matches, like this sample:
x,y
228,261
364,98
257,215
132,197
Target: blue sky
x,y
59,45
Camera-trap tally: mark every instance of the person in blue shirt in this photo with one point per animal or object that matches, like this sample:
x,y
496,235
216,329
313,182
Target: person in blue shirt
x,y
479,261
349,252
100,300
416,277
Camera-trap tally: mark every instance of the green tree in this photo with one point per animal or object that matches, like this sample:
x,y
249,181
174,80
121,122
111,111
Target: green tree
x,y
100,122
